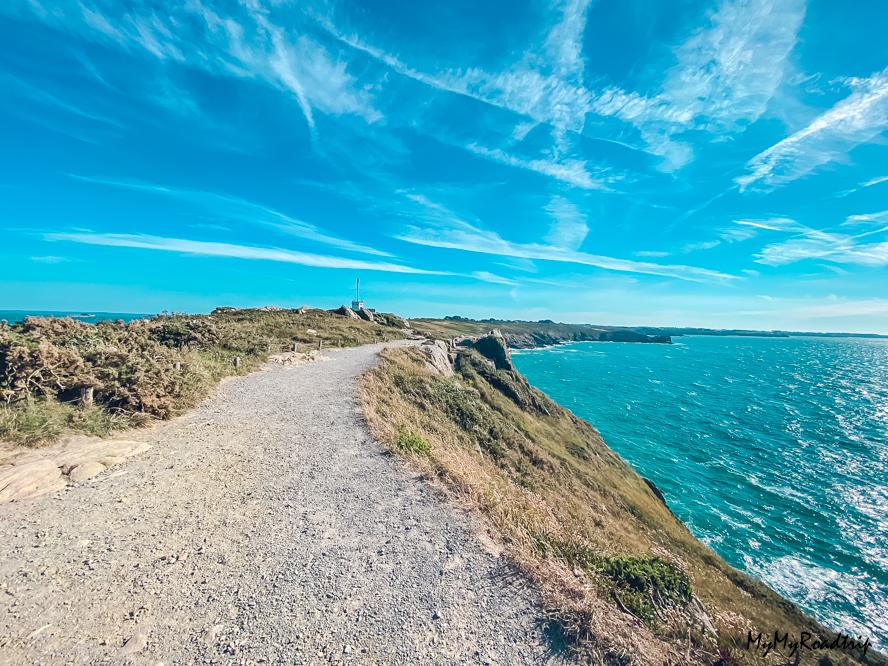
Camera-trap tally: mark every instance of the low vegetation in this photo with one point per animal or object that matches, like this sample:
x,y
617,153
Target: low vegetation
x,y
147,369
619,574
525,334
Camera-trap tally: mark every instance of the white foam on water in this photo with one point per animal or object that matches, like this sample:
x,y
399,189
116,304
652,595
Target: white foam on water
x,y
810,585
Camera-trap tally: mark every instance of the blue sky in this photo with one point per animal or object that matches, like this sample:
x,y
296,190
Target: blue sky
x,y
711,164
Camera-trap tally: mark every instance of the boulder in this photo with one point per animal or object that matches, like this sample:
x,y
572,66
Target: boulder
x,y
438,356
365,314
85,471
346,311
494,348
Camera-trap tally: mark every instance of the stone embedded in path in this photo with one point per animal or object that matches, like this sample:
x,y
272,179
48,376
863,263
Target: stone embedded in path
x,y
28,478
85,471
134,644
28,473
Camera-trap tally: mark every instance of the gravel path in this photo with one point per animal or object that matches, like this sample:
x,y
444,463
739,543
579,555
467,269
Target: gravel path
x,y
264,526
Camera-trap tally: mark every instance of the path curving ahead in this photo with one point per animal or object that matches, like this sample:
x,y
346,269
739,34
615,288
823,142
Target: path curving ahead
x,y
264,526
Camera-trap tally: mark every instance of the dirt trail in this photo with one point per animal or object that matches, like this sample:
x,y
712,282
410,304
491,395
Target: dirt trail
x,y
266,526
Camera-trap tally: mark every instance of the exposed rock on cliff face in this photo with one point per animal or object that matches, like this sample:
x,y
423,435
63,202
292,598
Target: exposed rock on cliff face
x,y
439,356
493,347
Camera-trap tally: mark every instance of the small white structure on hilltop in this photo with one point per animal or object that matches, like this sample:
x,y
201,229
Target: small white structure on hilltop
x,y
357,304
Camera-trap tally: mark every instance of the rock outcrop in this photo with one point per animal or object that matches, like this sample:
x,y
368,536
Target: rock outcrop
x,y
493,347
389,319
439,356
345,311
365,314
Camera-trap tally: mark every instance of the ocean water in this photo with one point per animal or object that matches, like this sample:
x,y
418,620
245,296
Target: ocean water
x,y
774,451
13,316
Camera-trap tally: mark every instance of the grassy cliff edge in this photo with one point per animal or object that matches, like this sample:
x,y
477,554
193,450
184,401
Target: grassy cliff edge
x,y
619,574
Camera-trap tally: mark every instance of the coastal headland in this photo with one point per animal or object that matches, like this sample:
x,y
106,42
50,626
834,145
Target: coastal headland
x,y
259,519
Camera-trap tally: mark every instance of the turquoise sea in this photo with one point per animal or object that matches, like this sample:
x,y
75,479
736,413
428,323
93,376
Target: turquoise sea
x,y
13,316
774,451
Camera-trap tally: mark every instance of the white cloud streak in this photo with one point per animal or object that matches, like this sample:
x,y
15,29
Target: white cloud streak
x,y
572,172
240,210
245,44
856,119
838,248
465,237
569,228
726,74
231,250
255,253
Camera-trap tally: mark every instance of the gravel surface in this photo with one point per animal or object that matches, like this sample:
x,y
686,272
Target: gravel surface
x,y
265,526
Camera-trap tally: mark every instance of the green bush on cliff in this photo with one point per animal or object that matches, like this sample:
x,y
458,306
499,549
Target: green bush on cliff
x,y
410,441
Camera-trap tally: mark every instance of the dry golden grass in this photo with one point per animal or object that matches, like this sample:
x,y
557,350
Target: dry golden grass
x,y
557,498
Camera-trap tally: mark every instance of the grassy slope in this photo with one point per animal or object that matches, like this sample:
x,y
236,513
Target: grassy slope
x,y
563,504
146,369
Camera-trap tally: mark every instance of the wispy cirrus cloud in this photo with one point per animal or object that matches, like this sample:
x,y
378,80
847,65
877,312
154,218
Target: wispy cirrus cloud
x,y
728,71
880,217
243,43
51,259
255,253
726,74
546,87
854,120
839,248
570,171
227,207
874,181
770,223
448,230
569,228
471,239
231,250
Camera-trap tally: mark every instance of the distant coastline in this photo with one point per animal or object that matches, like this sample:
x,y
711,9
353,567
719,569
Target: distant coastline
x,y
15,316
520,333
523,334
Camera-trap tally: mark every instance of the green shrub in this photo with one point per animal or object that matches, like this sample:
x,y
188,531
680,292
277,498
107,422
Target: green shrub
x,y
410,441
641,584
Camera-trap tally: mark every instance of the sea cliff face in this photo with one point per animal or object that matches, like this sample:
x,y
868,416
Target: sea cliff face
x,y
545,339
530,334
618,572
